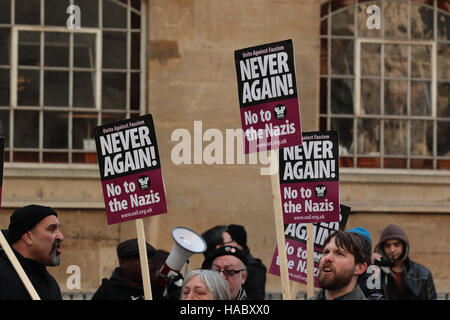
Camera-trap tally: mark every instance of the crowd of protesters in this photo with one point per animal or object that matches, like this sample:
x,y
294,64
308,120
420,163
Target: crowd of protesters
x,y
229,271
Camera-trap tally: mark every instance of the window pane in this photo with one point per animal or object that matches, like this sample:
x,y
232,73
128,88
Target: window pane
x,y
4,45
115,50
394,163
55,130
421,61
5,11
421,164
84,50
342,56
29,48
370,59
135,50
56,49
135,21
83,130
55,157
368,136
395,137
421,22
26,129
395,97
4,126
112,117
114,15
83,89
4,87
323,56
443,61
89,12
28,11
443,26
395,20
28,88
342,96
443,138
421,138
345,128
323,95
370,96
342,22
363,30
55,12
114,90
56,88
135,91
443,99
420,98
396,60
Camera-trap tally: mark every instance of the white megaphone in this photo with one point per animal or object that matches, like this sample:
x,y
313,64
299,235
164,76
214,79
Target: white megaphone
x,y
187,243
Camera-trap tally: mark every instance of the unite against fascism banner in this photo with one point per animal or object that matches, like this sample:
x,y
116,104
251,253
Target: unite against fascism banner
x,y
268,100
309,179
295,237
130,169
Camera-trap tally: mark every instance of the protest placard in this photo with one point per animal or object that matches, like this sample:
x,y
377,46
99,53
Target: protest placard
x,y
309,179
132,182
268,99
130,169
295,236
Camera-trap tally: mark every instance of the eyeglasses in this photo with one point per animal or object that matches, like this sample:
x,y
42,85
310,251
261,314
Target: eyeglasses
x,y
229,273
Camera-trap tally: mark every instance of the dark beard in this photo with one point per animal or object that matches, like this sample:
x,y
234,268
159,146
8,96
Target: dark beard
x,y
335,282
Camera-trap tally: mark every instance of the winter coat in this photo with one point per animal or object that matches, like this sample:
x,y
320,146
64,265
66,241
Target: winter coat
x,y
256,279
417,278
12,288
117,288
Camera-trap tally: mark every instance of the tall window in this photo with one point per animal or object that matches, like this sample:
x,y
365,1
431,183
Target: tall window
x,y
387,90
57,84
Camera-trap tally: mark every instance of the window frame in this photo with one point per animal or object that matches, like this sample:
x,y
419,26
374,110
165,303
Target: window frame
x,y
326,118
98,69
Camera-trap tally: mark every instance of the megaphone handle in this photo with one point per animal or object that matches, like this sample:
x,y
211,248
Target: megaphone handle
x,y
186,269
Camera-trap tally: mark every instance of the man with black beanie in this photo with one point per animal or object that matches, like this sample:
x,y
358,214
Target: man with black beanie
x,y
34,236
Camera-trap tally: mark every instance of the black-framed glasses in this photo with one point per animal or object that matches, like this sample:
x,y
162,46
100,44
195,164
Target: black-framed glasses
x,y
229,273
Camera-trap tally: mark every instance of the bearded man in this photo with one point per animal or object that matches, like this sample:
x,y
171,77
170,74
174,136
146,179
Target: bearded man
x,y
35,236
344,258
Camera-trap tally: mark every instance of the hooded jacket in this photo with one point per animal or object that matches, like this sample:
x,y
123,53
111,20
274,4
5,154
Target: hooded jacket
x,y
417,278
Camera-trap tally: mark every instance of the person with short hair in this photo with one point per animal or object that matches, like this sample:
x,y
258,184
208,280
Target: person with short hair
x,y
205,285
232,264
343,261
35,237
404,279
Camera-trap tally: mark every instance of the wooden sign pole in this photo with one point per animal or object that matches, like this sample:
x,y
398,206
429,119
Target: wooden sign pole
x,y
279,226
309,260
144,259
17,266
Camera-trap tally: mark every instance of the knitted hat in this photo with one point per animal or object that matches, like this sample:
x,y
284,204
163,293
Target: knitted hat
x,y
24,219
362,232
224,251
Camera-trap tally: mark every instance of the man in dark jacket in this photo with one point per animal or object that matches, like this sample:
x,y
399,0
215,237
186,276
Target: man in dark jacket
x,y
344,260
125,282
35,237
405,279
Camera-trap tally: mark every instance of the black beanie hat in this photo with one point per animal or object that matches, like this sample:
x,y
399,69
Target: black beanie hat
x,y
24,219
